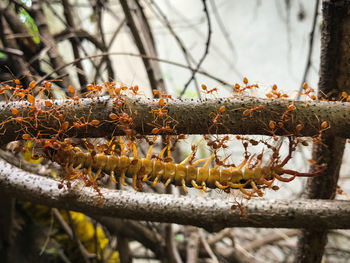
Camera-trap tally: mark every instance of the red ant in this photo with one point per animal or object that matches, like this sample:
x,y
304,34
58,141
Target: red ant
x,y
206,91
250,111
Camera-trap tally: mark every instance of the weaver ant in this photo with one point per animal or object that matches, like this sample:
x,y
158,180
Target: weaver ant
x,y
217,115
206,91
274,94
307,91
161,111
250,111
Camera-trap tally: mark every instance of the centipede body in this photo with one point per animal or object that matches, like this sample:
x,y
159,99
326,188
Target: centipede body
x,y
143,169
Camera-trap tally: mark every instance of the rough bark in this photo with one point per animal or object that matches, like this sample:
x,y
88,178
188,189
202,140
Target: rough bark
x,y
193,116
334,78
211,214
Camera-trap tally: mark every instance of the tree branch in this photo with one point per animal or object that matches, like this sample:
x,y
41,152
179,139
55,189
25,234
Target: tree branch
x,y
193,116
211,214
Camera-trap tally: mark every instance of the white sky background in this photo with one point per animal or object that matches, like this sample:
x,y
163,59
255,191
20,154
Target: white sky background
x,y
270,43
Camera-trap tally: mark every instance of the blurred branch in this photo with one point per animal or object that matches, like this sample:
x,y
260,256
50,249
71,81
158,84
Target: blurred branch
x,y
311,45
223,82
140,44
206,51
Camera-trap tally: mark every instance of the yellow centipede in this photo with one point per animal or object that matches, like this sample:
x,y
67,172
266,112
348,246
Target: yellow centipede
x,y
142,169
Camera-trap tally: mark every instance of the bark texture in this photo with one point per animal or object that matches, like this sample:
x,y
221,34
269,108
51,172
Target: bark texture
x,y
334,78
192,116
211,214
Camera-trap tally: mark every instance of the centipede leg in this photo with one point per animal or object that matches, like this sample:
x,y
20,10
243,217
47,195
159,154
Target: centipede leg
x,y
90,173
146,177
122,148
156,181
167,182
160,155
97,174
122,178
220,186
186,159
149,152
204,187
113,178
183,183
195,185
134,150
256,189
265,182
134,180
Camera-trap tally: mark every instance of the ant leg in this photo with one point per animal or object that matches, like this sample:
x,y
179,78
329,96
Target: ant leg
x,y
90,173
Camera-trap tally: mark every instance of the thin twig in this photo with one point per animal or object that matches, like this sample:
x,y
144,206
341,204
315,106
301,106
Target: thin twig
x,y
208,248
223,82
311,45
207,45
72,234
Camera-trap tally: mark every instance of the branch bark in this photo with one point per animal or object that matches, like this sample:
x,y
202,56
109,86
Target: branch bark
x,y
193,116
334,78
211,214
